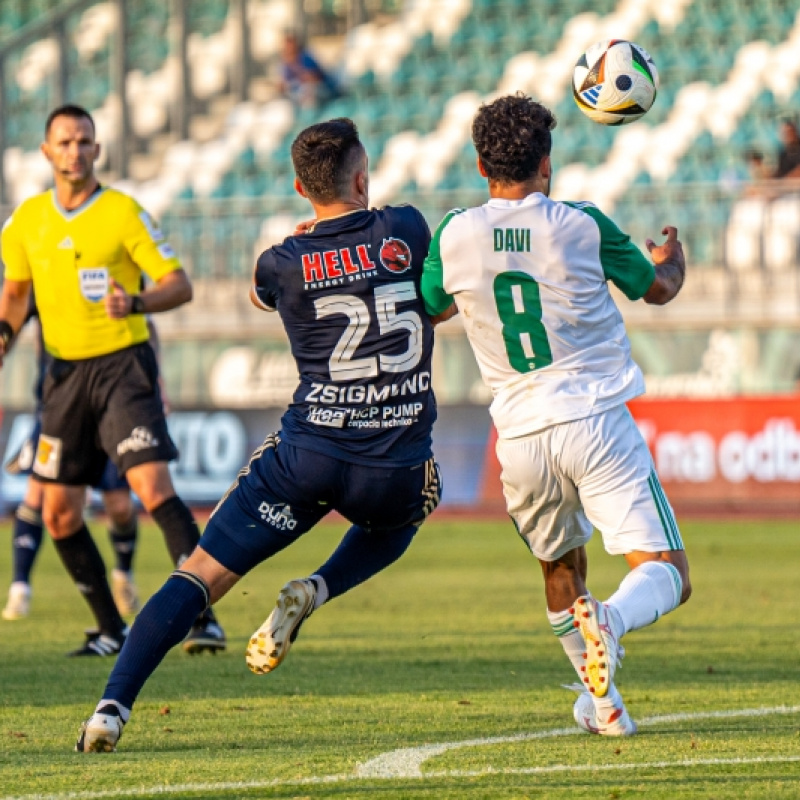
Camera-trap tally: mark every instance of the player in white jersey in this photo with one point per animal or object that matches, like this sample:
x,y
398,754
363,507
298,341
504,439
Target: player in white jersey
x,y
530,278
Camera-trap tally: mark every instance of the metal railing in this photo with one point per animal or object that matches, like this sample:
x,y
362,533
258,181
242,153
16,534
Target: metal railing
x,y
213,235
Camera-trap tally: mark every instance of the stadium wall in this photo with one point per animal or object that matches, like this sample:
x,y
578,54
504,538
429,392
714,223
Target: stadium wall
x,y
738,455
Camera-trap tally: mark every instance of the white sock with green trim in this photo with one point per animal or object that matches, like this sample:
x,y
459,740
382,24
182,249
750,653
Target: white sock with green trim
x,y
571,639
645,594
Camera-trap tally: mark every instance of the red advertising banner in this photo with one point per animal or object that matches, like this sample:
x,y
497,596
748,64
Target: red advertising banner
x,y
740,453
737,454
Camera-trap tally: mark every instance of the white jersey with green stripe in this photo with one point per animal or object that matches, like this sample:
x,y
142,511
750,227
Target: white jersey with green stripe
x,y
529,278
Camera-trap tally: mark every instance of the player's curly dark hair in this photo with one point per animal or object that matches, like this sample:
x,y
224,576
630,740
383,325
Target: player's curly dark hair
x,y
511,137
324,156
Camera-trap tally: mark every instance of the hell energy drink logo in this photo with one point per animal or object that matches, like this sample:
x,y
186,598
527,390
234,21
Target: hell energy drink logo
x,y
334,265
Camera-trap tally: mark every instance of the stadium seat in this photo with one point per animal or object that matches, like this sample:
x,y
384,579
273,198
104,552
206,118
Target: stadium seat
x,y
743,235
782,234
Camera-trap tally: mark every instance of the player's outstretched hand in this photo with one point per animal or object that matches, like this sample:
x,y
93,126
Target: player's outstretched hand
x,y
670,267
671,250
118,301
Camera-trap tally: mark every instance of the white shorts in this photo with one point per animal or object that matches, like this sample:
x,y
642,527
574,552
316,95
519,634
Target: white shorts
x,y
563,480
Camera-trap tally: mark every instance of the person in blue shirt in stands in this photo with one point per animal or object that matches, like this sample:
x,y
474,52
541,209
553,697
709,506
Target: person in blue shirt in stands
x,y
303,80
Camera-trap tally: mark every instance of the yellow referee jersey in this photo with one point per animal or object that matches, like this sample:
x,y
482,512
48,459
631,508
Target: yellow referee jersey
x,y
72,258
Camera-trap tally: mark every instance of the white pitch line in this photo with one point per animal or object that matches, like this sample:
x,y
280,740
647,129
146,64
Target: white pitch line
x,y
182,788
687,762
366,772
407,762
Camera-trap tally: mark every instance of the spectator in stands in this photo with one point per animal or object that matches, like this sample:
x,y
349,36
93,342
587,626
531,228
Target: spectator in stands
x,y
302,79
758,171
789,154
756,166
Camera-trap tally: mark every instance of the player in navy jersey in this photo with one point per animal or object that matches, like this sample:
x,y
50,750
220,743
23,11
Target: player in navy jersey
x,y
356,438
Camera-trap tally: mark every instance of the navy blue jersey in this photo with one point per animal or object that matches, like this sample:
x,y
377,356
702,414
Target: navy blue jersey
x,y
348,294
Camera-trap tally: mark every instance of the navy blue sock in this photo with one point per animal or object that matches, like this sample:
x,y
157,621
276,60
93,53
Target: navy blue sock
x,y
123,540
362,554
164,622
26,541
181,535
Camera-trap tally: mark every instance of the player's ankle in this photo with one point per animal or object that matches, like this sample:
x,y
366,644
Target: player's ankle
x,y
617,624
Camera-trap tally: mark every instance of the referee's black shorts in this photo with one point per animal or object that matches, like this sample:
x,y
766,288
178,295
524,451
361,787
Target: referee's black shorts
x,y
94,409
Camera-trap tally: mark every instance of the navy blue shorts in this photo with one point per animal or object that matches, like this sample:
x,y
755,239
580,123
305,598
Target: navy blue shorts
x,y
284,491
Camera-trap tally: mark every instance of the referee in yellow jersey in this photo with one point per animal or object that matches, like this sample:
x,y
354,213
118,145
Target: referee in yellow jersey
x,y
83,247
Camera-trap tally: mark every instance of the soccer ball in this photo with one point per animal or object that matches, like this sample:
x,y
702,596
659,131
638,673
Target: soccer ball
x,y
615,82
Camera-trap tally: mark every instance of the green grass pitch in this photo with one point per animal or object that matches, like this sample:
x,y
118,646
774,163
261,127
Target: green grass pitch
x,y
450,646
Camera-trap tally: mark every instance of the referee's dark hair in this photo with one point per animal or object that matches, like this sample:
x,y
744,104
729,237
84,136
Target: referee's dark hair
x,y
512,136
68,110
324,156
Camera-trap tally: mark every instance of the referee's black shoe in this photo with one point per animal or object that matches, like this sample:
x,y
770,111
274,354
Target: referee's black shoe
x,y
206,635
101,644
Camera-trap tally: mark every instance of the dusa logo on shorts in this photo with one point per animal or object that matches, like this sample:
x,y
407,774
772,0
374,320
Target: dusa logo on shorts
x,y
278,515
140,439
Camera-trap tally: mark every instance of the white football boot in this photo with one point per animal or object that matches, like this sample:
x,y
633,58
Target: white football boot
x,y
603,650
618,722
18,605
100,733
124,592
269,645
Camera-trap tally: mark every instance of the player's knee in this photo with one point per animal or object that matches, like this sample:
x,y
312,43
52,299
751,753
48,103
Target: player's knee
x,y
119,507
62,521
681,563
152,483
686,588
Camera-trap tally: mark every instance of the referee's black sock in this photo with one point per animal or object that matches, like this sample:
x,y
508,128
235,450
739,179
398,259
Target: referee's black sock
x,y
179,528
181,534
85,565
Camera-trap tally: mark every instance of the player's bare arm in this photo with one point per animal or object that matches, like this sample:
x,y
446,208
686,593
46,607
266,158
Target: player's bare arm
x,y
670,268
447,314
171,291
13,311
